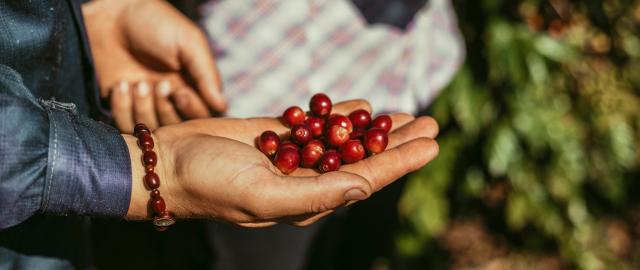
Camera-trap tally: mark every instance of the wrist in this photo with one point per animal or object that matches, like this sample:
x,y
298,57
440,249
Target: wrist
x,y
139,204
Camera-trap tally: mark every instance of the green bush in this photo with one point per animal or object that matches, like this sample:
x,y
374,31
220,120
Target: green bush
x,y
540,134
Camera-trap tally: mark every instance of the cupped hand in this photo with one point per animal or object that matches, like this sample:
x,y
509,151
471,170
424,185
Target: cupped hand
x,y
211,169
153,63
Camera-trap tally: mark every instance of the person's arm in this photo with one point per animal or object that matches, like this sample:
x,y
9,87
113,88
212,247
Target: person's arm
x,y
55,161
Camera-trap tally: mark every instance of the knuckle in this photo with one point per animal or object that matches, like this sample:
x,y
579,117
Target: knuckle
x,y
319,206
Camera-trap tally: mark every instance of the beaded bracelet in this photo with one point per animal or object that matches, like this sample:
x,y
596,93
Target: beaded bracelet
x,y
162,218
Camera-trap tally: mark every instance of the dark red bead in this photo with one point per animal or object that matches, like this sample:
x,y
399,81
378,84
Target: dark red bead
x,y
149,158
148,168
152,180
360,118
157,204
155,193
145,141
140,128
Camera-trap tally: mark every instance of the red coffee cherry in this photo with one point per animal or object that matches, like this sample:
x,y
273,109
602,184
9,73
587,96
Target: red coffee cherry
x,y
293,116
352,151
330,161
301,134
382,122
340,120
288,144
320,105
357,134
269,142
316,124
376,140
336,136
287,159
311,153
360,118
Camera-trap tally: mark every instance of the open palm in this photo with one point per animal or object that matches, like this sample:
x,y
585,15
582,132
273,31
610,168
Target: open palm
x,y
217,172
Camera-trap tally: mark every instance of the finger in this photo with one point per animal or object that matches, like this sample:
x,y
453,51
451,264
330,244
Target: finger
x,y
425,127
386,167
200,64
399,120
143,107
122,107
167,114
257,224
293,196
307,220
189,104
346,107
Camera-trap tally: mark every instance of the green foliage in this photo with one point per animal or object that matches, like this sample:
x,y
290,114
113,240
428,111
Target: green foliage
x,y
547,106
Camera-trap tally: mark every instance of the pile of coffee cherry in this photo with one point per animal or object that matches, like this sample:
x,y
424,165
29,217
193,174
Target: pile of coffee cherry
x,y
323,140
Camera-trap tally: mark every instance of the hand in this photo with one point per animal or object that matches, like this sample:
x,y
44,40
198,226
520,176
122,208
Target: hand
x,y
211,169
167,56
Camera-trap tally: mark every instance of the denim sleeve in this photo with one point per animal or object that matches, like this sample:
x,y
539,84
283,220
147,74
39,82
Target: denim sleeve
x,y
55,161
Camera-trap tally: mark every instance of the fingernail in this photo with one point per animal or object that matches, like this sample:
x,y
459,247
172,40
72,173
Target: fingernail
x,y
143,89
355,195
163,88
123,86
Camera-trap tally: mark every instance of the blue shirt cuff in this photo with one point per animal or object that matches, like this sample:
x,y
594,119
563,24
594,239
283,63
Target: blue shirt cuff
x,y
89,170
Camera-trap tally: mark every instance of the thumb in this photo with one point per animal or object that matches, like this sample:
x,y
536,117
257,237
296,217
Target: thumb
x,y
199,62
294,196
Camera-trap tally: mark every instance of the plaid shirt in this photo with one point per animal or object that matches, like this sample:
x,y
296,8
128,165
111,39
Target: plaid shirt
x,y
275,53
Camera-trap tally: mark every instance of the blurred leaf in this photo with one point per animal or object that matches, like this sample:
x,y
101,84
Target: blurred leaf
x,y
554,50
503,150
517,211
540,133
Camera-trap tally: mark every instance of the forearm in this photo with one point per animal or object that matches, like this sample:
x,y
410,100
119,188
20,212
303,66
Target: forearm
x,y
140,193
56,161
